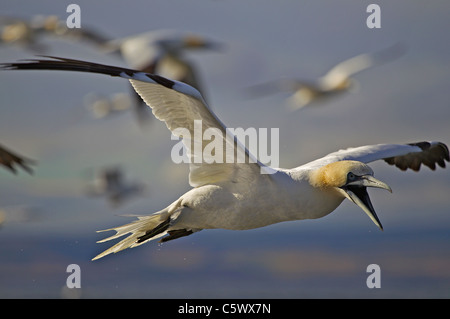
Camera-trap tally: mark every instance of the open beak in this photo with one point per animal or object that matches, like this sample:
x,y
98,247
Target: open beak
x,y
356,191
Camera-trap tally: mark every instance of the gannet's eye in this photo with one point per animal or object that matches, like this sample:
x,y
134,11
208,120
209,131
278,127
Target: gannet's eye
x,y
351,177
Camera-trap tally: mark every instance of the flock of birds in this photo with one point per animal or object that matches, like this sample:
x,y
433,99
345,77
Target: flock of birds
x,y
230,194
160,52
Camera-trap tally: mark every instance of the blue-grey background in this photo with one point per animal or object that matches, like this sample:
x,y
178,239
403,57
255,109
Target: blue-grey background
x,y
50,223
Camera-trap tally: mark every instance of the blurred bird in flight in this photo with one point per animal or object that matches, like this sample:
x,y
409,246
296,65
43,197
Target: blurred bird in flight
x,y
336,81
29,33
162,52
111,183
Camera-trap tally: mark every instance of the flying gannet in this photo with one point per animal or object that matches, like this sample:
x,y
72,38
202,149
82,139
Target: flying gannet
x,y
337,80
21,33
10,159
28,33
111,183
235,195
162,52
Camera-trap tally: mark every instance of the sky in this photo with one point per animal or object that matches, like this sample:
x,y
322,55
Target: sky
x,y
51,223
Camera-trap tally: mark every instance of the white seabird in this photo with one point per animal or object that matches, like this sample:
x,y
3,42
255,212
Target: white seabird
x,y
237,196
337,80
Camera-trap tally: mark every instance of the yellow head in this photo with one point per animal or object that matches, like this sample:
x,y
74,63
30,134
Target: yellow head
x,y
336,174
350,179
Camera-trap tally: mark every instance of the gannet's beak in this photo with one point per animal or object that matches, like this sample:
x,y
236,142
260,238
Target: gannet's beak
x,y
356,191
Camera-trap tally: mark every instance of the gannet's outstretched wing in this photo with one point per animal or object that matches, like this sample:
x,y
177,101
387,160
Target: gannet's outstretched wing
x,y
403,156
184,112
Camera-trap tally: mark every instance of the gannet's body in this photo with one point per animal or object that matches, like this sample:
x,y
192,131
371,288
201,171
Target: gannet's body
x,y
234,195
266,200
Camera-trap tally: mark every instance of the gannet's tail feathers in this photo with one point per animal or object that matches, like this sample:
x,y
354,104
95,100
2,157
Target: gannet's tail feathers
x,y
142,230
